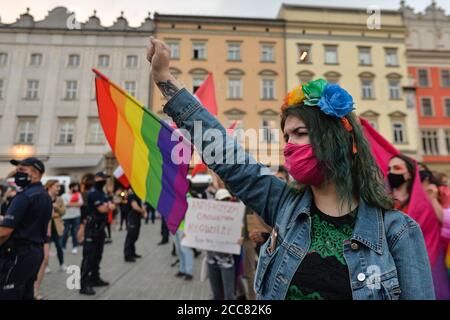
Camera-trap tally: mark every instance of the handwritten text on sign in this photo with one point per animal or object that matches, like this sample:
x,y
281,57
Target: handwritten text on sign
x,y
214,225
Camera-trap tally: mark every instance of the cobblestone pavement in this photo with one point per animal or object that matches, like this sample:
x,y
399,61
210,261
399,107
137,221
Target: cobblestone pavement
x,y
151,278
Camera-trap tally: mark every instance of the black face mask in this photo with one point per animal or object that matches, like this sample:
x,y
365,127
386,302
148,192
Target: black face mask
x,y
100,184
22,179
424,174
396,180
62,190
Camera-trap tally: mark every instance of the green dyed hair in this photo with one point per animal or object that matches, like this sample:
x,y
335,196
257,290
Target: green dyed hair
x,y
354,175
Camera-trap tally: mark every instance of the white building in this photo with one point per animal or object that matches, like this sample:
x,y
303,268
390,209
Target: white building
x,y
47,94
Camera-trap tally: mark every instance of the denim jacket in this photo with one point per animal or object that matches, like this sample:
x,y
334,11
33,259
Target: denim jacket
x,y
386,257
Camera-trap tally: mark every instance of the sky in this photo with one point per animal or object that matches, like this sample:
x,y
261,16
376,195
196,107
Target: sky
x,y
137,10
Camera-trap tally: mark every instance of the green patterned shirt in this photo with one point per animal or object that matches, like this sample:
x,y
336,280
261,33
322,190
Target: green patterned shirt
x,y
323,273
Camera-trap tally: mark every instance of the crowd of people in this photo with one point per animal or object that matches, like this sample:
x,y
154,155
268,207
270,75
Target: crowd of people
x,y
335,228
345,233
230,276
83,214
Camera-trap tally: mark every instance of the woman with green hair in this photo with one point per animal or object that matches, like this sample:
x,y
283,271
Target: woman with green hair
x,y
339,238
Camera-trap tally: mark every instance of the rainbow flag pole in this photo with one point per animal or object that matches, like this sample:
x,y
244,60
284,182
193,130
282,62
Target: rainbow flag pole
x,y
144,146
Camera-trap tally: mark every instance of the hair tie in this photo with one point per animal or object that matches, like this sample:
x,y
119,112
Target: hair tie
x,y
348,126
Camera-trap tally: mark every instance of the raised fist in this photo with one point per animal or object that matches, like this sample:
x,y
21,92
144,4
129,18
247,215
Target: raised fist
x,y
158,54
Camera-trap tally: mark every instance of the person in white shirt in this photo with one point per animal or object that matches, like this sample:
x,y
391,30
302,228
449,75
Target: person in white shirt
x,y
73,201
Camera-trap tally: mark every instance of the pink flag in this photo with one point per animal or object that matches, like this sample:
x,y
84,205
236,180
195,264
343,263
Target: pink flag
x,y
207,94
233,126
120,175
419,208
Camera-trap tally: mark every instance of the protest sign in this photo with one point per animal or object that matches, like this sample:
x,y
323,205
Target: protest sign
x,y
214,225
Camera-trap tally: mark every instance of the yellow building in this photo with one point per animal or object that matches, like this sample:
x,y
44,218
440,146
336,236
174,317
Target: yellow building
x,y
247,59
342,45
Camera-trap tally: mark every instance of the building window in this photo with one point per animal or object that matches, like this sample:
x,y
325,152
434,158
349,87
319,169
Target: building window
x,y
267,53
174,50
423,78
175,72
66,134
199,51
234,51
268,89
447,140
411,100
394,90
305,76
234,88
2,84
445,78
430,143
446,106
132,61
399,132
71,90
365,57
103,61
332,77
268,132
367,89
427,107
304,53
331,56
36,59
95,133
25,131
197,83
130,87
3,58
391,57
74,60
32,90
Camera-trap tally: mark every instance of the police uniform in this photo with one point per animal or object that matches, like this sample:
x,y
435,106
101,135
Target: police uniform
x,y
134,227
21,256
94,239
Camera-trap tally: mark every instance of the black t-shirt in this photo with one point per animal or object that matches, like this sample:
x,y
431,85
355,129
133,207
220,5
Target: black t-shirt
x,y
84,208
5,205
97,198
323,273
133,197
29,214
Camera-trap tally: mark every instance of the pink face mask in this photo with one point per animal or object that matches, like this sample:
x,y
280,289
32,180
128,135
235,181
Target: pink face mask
x,y
302,164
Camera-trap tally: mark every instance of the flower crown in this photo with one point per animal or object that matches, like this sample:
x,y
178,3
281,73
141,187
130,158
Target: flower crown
x,y
329,97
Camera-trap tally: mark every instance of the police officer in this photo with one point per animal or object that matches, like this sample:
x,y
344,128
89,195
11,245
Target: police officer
x,y
136,213
23,232
99,204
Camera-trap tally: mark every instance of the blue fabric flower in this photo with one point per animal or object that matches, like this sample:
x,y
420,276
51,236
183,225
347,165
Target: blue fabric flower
x,y
335,101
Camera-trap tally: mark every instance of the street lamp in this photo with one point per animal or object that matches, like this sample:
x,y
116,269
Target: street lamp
x,y
22,151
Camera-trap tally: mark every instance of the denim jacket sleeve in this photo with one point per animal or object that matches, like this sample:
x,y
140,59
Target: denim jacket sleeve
x,y
250,181
408,249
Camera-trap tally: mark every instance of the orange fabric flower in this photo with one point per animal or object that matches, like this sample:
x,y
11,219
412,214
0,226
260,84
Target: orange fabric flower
x,y
294,97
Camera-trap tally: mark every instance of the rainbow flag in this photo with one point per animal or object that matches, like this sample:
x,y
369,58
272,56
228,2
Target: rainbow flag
x,y
144,147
